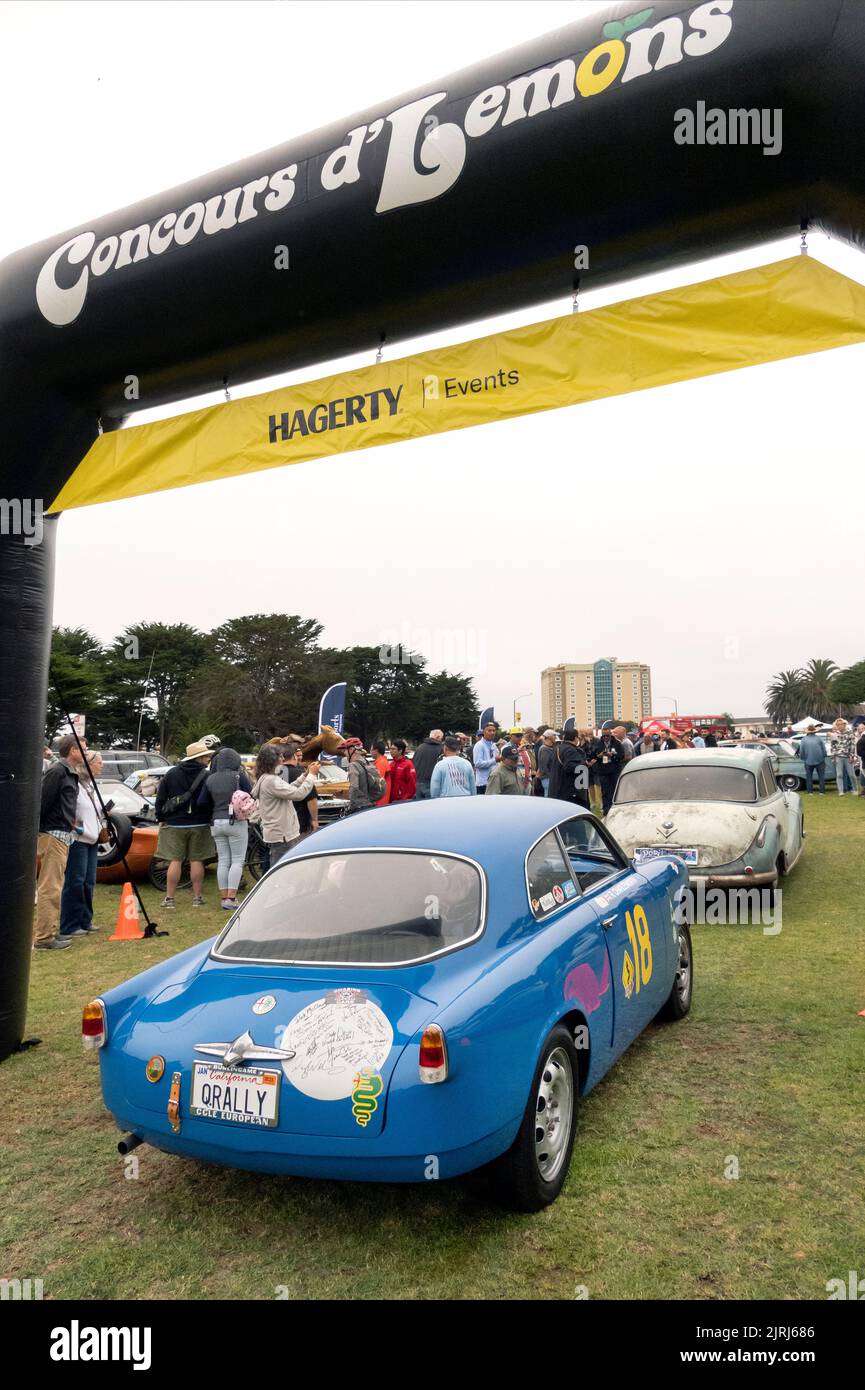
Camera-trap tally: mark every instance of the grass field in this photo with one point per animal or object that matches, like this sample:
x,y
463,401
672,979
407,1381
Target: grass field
x,y
767,1070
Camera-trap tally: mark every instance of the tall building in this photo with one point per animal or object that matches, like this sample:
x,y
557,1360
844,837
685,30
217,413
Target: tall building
x,y
591,693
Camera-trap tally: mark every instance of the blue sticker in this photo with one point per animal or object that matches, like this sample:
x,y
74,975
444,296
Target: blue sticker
x,y
570,890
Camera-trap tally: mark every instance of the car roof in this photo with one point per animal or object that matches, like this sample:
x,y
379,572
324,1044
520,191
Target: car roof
x,y
749,758
476,826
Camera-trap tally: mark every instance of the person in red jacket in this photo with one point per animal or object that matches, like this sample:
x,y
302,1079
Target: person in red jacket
x,y
402,779
382,767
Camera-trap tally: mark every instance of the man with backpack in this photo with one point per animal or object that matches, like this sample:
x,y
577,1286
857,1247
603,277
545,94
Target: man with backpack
x,y
365,785
183,812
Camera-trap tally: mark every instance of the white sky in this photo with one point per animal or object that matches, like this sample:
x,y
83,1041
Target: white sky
x,y
744,554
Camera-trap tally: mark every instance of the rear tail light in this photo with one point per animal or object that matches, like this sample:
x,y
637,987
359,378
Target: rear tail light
x,y
433,1065
94,1028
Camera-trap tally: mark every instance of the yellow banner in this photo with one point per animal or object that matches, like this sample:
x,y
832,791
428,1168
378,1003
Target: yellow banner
x,y
783,310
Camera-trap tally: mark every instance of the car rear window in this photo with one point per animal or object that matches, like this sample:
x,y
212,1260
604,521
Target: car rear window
x,y
686,783
365,907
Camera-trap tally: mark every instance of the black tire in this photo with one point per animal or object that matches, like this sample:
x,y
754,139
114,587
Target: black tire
x,y
256,860
120,832
678,1002
158,874
519,1180
790,783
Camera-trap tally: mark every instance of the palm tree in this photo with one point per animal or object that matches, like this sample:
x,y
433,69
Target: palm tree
x,y
786,697
817,678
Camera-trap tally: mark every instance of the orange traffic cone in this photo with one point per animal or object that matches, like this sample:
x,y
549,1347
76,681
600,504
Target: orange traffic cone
x,y
127,928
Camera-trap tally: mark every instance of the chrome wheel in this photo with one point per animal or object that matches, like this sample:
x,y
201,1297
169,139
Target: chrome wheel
x,y
683,969
554,1110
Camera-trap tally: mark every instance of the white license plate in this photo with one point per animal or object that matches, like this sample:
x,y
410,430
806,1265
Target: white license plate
x,y
647,852
242,1097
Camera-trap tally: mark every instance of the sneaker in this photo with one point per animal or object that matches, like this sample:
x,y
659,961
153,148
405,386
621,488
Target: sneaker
x,y
65,935
167,903
196,902
54,945
228,905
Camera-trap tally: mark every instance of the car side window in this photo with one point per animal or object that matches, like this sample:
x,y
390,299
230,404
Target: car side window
x,y
769,786
592,858
549,878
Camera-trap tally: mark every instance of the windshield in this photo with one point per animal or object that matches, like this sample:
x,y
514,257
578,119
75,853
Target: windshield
x,y
330,772
688,783
368,907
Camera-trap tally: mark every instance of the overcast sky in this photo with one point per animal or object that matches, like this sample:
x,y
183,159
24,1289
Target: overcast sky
x,y
743,554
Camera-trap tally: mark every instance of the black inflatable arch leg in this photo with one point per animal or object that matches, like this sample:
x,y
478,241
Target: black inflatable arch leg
x,y
26,592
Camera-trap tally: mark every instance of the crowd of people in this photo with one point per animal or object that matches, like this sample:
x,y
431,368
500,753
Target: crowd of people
x,y
206,801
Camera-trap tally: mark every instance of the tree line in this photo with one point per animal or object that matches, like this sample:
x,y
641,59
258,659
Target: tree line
x,y
820,688
250,679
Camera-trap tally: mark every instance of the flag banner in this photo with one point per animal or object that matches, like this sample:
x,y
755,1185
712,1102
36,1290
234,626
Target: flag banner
x,y
786,309
488,717
332,708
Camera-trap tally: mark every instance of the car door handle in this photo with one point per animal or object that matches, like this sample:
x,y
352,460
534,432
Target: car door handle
x,y
607,922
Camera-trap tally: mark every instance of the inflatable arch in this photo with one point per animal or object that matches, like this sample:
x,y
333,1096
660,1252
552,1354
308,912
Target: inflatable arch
x,y
476,194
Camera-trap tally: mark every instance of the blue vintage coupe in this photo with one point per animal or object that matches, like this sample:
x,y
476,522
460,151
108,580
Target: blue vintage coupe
x,y
409,994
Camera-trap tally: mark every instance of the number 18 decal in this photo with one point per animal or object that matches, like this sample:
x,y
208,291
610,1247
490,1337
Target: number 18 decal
x,y
637,972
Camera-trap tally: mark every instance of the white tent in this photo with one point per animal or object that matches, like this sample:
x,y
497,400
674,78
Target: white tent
x,y
805,724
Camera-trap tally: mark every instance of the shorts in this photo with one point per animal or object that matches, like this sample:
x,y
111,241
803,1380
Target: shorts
x,y
191,842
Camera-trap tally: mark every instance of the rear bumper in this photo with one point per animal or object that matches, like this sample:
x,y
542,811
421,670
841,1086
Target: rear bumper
x,y
733,879
344,1160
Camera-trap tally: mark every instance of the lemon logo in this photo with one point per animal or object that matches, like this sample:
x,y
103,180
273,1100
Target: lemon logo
x,y
617,29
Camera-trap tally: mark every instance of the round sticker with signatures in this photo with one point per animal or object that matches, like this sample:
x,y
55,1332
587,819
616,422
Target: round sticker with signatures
x,y
334,1039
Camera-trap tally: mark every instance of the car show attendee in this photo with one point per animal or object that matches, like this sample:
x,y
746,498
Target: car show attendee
x,y
426,756
523,755
842,751
402,781
280,828
230,832
711,741
698,741
184,822
589,742
453,774
627,747
507,777
546,759
76,900
569,780
381,762
646,744
306,806
365,787
812,751
860,754
58,813
485,755
609,761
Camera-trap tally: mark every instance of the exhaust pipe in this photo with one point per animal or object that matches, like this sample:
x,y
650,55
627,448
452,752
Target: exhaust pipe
x,y
128,1143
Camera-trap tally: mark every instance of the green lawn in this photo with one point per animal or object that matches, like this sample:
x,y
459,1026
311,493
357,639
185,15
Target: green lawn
x,y
768,1069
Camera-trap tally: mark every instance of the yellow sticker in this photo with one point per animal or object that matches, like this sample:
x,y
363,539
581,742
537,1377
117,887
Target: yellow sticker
x,y
367,1087
628,975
